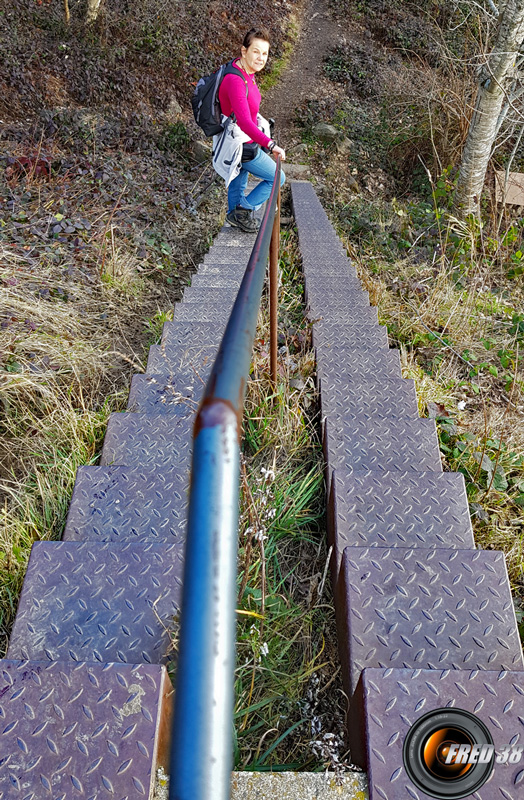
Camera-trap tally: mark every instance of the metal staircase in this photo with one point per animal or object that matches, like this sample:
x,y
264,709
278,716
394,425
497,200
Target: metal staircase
x,y
425,620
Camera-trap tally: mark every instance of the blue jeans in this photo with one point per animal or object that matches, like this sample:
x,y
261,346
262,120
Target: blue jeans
x,y
262,166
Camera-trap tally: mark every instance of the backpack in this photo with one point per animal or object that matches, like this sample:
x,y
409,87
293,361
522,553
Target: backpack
x,y
205,103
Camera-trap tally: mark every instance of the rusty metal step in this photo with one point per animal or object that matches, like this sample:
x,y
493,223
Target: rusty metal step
x,y
425,608
398,509
119,504
177,393
87,601
82,730
398,443
388,702
335,366
169,359
148,440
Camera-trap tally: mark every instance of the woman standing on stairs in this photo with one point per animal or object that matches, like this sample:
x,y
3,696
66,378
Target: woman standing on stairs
x,y
240,95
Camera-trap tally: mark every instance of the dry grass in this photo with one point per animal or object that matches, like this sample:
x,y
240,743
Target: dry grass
x,y
285,717
58,385
455,325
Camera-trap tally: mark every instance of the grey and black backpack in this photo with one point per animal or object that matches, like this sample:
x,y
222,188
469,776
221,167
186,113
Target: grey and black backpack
x,y
205,103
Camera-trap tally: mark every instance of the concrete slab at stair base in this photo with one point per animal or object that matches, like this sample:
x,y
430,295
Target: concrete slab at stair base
x,y
298,786
287,786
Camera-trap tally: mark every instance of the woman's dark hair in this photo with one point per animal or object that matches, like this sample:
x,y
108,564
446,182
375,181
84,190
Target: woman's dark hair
x,y
255,33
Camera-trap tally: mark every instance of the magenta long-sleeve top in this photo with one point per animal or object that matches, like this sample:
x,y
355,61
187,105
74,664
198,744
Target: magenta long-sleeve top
x,y
232,97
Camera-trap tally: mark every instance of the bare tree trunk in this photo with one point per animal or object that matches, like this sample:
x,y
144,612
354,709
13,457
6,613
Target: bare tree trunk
x,y
484,124
93,7
67,15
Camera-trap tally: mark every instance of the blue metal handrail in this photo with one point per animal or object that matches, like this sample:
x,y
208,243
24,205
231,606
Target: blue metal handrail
x,y
201,754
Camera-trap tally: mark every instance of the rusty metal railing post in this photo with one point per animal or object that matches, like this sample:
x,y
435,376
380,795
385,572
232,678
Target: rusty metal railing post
x,y
202,746
273,294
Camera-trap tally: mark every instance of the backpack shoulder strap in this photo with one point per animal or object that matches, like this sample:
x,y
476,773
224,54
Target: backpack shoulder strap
x,y
230,69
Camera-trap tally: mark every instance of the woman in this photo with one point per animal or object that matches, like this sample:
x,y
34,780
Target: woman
x,y
239,95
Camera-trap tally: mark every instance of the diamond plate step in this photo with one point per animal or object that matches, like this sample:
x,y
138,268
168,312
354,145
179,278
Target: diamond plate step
x,y
118,504
329,258
308,208
221,269
345,288
191,335
313,224
227,256
148,440
352,341
85,601
325,255
210,296
390,701
82,730
324,305
229,238
316,281
217,281
172,359
317,270
386,397
232,244
393,444
335,336
398,509
177,394
347,316
425,608
326,284
196,312
326,249
206,294
327,266
336,366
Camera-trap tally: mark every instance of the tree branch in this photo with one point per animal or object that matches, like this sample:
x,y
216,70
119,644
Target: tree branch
x,y
493,7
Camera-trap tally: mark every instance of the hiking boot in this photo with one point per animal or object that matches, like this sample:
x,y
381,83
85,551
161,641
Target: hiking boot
x,y
243,218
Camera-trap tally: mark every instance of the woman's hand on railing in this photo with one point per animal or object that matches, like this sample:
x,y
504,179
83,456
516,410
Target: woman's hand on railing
x,y
279,151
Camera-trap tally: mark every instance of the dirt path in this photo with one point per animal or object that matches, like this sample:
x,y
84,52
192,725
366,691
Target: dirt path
x,y
319,32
